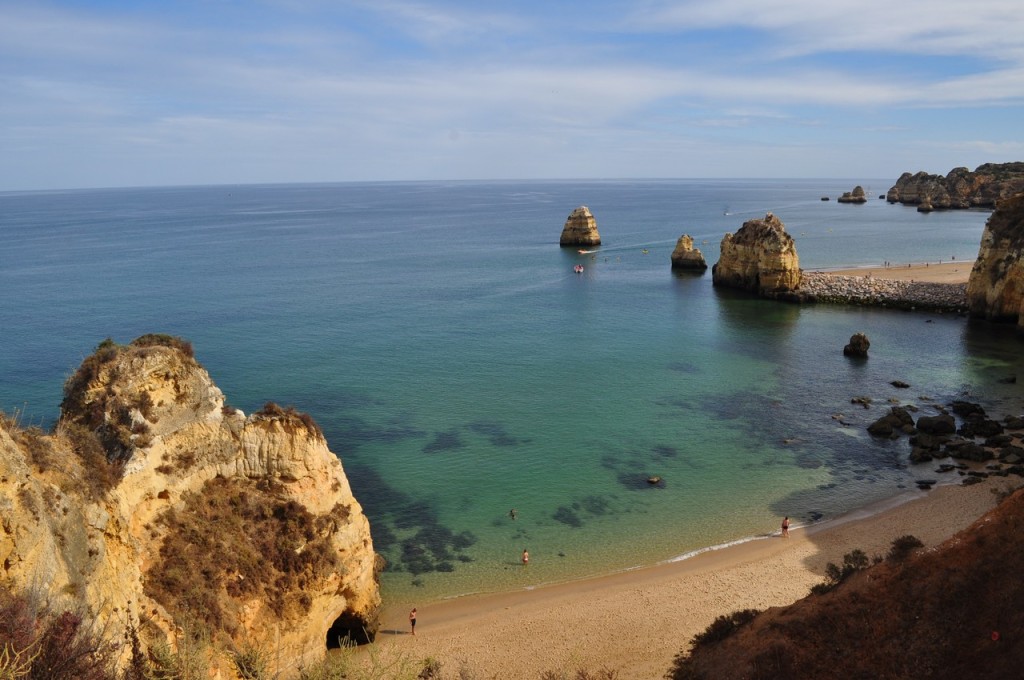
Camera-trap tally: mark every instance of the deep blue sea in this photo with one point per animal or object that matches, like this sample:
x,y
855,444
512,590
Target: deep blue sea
x,y
460,368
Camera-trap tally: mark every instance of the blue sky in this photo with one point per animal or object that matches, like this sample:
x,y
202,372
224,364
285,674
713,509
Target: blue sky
x,y
108,93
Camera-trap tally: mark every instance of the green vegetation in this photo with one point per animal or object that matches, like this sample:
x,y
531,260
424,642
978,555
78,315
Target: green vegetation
x,y
903,547
834,575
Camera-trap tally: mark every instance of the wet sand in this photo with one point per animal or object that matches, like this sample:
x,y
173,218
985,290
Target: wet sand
x,y
635,622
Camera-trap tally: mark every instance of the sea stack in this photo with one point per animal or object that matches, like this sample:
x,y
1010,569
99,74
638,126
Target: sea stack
x,y
686,257
995,290
761,257
855,196
580,229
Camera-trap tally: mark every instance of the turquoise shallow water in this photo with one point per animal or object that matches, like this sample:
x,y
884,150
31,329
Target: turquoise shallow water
x,y
460,368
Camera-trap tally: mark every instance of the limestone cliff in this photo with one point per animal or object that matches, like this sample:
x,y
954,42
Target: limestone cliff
x,y
152,504
961,188
995,290
685,256
580,229
761,257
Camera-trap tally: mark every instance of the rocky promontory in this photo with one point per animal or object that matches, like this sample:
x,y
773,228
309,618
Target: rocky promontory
x,y
761,257
161,512
580,229
995,290
960,188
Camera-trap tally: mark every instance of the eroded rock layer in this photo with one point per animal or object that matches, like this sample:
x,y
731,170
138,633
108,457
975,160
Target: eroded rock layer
x,y
761,257
580,229
995,290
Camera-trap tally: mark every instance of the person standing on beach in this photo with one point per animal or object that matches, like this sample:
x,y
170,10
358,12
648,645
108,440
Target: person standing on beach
x,y
412,620
526,557
785,527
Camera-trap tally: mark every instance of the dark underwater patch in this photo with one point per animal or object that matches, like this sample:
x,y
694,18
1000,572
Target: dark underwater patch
x,y
567,516
445,441
495,433
684,367
665,451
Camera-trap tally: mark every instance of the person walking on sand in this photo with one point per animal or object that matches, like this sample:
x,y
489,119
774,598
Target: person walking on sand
x,y
412,620
785,527
526,557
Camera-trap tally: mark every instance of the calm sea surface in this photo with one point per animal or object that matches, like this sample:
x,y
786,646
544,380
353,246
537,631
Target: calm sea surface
x,y
460,368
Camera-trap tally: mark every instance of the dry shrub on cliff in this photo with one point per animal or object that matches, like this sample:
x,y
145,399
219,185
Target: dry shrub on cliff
x,y
236,539
292,420
40,643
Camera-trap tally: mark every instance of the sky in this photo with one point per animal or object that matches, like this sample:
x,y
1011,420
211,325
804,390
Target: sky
x,y
107,93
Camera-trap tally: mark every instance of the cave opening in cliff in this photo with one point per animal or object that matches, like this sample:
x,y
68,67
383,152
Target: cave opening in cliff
x,y
346,630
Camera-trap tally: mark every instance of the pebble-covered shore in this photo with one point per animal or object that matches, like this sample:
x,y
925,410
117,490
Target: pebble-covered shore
x,y
865,290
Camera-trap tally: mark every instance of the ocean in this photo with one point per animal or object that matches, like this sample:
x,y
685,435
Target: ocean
x,y
460,368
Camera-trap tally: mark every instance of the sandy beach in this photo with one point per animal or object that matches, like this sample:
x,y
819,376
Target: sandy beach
x,y
930,272
636,622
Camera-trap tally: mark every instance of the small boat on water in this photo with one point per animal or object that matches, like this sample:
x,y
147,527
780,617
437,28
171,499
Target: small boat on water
x,y
578,269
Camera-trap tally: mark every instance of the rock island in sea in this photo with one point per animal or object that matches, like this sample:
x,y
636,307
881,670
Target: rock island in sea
x,y
165,513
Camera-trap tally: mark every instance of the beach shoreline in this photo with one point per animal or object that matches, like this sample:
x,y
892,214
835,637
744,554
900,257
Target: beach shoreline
x,y
636,621
947,271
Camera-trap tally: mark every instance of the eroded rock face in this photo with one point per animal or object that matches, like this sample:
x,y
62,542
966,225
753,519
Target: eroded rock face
x,y
995,290
760,257
580,229
685,256
961,188
99,537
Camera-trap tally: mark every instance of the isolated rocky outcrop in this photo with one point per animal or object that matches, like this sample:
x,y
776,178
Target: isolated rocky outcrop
x,y
154,505
995,290
686,257
580,229
961,188
760,257
855,196
858,346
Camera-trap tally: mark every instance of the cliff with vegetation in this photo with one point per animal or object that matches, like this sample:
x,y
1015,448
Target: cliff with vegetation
x,y
947,612
960,188
171,517
995,290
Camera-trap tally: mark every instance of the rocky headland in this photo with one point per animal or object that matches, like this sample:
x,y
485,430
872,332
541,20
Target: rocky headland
x,y
960,188
158,509
995,290
580,229
761,257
